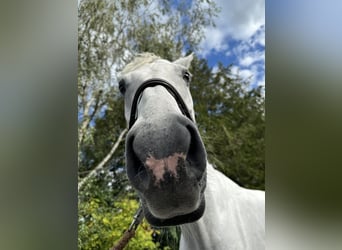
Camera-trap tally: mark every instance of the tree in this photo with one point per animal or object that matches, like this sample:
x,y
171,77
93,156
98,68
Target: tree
x,y
223,102
110,34
102,229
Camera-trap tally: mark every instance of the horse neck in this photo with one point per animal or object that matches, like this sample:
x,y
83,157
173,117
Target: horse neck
x,y
204,233
234,217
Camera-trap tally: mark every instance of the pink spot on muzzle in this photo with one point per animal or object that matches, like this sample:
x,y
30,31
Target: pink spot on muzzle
x,y
160,166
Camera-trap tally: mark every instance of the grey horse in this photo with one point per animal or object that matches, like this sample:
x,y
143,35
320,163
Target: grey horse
x,y
167,164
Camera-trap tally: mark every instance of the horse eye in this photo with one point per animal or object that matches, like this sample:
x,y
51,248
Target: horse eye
x,y
187,76
122,86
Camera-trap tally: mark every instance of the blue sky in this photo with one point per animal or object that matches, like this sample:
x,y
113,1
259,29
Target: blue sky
x,y
238,39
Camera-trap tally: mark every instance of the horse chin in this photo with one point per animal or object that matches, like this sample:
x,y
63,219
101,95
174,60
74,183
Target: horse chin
x,y
176,219
175,201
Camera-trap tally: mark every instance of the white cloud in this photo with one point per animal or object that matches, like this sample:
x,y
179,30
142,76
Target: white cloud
x,y
251,57
261,82
239,20
260,36
215,69
234,70
254,74
246,61
246,74
214,41
242,73
240,35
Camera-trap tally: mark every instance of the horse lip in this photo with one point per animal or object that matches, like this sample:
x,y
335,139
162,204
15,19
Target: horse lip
x,y
173,201
174,197
173,212
177,219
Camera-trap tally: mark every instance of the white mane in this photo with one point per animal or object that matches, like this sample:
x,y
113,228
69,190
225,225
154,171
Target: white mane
x,y
140,60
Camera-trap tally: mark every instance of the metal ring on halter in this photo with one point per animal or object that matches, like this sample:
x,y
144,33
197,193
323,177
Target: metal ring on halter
x,y
138,217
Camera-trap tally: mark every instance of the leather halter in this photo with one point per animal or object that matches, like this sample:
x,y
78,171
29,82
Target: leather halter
x,y
152,83
181,219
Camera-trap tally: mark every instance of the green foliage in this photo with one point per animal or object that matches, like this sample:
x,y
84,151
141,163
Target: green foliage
x,y
104,213
109,125
101,226
110,34
232,123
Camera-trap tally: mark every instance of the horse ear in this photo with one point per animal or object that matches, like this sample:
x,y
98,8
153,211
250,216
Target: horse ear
x,y
185,61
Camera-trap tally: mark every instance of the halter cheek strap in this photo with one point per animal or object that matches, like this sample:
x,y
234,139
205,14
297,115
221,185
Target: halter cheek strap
x,y
152,83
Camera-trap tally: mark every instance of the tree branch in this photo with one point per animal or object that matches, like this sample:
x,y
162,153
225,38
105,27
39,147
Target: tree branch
x,y
87,118
103,162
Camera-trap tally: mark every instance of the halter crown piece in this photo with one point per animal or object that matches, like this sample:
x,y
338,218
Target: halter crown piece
x,y
152,83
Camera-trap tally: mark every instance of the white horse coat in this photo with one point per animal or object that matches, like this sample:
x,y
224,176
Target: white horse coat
x,y
234,217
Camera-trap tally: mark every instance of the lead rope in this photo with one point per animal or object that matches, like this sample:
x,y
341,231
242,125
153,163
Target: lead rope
x,y
130,232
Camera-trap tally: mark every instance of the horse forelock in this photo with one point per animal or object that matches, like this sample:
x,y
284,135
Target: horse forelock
x,y
140,60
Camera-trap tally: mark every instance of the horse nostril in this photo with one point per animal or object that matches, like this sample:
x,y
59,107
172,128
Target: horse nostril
x,y
141,168
135,168
142,177
198,161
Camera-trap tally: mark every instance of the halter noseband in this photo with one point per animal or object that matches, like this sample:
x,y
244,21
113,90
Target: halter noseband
x,y
152,83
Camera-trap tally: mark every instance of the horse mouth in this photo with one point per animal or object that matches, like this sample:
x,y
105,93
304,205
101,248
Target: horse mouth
x,y
173,200
177,219
177,198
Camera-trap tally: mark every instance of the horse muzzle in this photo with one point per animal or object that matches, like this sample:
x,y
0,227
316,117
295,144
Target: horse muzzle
x,y
166,164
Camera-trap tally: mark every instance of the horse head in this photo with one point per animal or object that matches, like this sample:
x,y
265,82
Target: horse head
x,y
165,156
